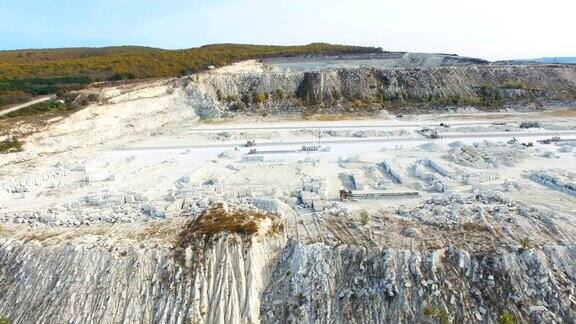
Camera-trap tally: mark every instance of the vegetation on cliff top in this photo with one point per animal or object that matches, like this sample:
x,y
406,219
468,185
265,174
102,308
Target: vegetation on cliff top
x,y
28,73
218,220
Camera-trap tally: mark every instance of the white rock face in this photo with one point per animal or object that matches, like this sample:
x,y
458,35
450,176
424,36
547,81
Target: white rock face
x,y
235,281
352,284
81,282
285,87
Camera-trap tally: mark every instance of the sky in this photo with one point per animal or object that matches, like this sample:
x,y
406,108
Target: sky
x,y
489,29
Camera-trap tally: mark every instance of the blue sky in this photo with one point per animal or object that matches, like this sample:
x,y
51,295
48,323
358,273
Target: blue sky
x,y
492,29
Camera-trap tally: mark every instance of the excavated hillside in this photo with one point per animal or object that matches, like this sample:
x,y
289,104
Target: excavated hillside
x,y
271,88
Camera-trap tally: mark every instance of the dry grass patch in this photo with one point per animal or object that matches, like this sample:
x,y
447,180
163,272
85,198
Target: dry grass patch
x,y
219,219
11,145
474,236
275,229
214,121
563,112
332,117
41,236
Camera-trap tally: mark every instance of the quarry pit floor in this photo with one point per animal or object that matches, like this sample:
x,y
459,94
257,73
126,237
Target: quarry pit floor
x,y
184,167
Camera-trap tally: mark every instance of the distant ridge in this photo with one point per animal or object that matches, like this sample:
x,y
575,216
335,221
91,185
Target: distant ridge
x,y
543,60
558,60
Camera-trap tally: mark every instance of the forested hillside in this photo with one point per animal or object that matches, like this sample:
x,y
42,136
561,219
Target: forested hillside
x,y
28,73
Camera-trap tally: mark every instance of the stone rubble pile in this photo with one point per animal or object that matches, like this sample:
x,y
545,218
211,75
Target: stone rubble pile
x,y
93,208
451,208
487,155
320,133
554,181
393,168
472,178
29,182
433,181
314,193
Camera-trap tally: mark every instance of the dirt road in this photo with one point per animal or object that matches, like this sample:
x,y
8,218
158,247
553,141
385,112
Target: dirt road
x,y
27,104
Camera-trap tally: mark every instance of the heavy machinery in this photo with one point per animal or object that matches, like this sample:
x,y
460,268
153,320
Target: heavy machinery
x,y
345,195
513,141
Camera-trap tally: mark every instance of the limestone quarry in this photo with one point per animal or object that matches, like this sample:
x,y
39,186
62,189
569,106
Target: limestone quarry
x,y
381,188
